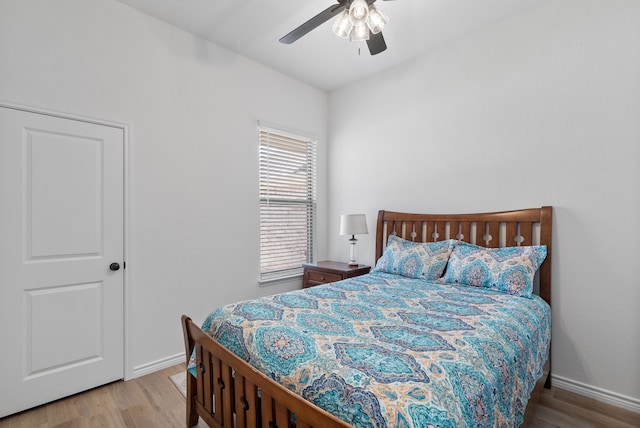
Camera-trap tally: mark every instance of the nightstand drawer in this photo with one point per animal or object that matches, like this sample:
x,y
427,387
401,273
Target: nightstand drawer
x,y
325,272
324,277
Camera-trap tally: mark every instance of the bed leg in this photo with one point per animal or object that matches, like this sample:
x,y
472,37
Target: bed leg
x,y
547,382
192,414
192,386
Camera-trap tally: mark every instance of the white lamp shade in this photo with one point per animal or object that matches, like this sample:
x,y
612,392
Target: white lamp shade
x,y
343,25
353,224
376,20
360,32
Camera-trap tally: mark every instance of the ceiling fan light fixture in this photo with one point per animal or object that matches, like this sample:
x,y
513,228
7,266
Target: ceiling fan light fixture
x,y
376,20
343,25
356,20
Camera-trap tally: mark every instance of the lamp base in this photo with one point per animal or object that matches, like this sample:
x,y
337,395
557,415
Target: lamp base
x,y
352,251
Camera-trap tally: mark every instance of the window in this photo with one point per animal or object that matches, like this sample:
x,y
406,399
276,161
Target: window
x,y
287,202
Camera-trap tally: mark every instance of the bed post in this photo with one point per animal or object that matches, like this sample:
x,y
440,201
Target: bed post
x,y
379,235
546,221
545,239
189,344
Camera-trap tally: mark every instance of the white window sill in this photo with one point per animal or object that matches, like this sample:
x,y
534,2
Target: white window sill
x,y
279,279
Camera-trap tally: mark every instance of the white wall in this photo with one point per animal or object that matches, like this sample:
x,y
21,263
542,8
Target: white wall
x,y
193,108
540,109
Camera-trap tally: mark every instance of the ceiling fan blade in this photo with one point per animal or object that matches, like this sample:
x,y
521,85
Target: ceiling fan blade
x,y
376,43
314,22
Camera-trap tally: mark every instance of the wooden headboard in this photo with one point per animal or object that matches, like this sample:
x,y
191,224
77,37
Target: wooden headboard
x,y
498,229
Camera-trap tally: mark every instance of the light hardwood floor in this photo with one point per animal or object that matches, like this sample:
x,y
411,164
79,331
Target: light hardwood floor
x,y
153,401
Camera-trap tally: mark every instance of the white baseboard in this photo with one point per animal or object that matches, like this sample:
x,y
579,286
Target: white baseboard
x,y
154,366
596,393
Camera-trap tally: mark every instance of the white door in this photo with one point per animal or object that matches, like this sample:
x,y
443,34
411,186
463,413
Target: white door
x,y
61,227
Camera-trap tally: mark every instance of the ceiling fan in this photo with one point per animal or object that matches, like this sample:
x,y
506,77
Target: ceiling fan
x,y
359,20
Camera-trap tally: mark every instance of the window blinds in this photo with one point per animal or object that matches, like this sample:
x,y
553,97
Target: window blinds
x,y
287,202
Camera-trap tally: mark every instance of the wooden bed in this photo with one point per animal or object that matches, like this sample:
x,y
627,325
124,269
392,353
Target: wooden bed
x,y
228,392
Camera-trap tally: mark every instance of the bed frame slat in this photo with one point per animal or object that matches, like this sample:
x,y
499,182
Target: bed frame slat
x,y
481,231
493,235
283,418
465,230
227,395
217,393
526,231
266,410
429,229
252,400
511,232
453,229
441,230
239,398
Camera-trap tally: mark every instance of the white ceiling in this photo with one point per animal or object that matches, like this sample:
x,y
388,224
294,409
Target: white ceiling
x,y
252,28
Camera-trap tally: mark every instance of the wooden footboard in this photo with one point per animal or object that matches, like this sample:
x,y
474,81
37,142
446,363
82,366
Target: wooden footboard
x,y
228,392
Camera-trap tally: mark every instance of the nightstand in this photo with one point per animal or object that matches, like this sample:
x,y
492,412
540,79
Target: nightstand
x,y
325,272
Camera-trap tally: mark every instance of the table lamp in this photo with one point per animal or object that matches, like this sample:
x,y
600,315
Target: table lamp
x,y
353,224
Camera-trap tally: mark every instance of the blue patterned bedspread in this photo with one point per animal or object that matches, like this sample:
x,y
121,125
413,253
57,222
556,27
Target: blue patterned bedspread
x,y
382,350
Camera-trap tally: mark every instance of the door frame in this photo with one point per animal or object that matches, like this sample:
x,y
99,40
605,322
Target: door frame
x,y
127,369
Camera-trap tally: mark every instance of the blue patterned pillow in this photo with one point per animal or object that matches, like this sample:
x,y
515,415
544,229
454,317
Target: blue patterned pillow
x,y
421,260
509,270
